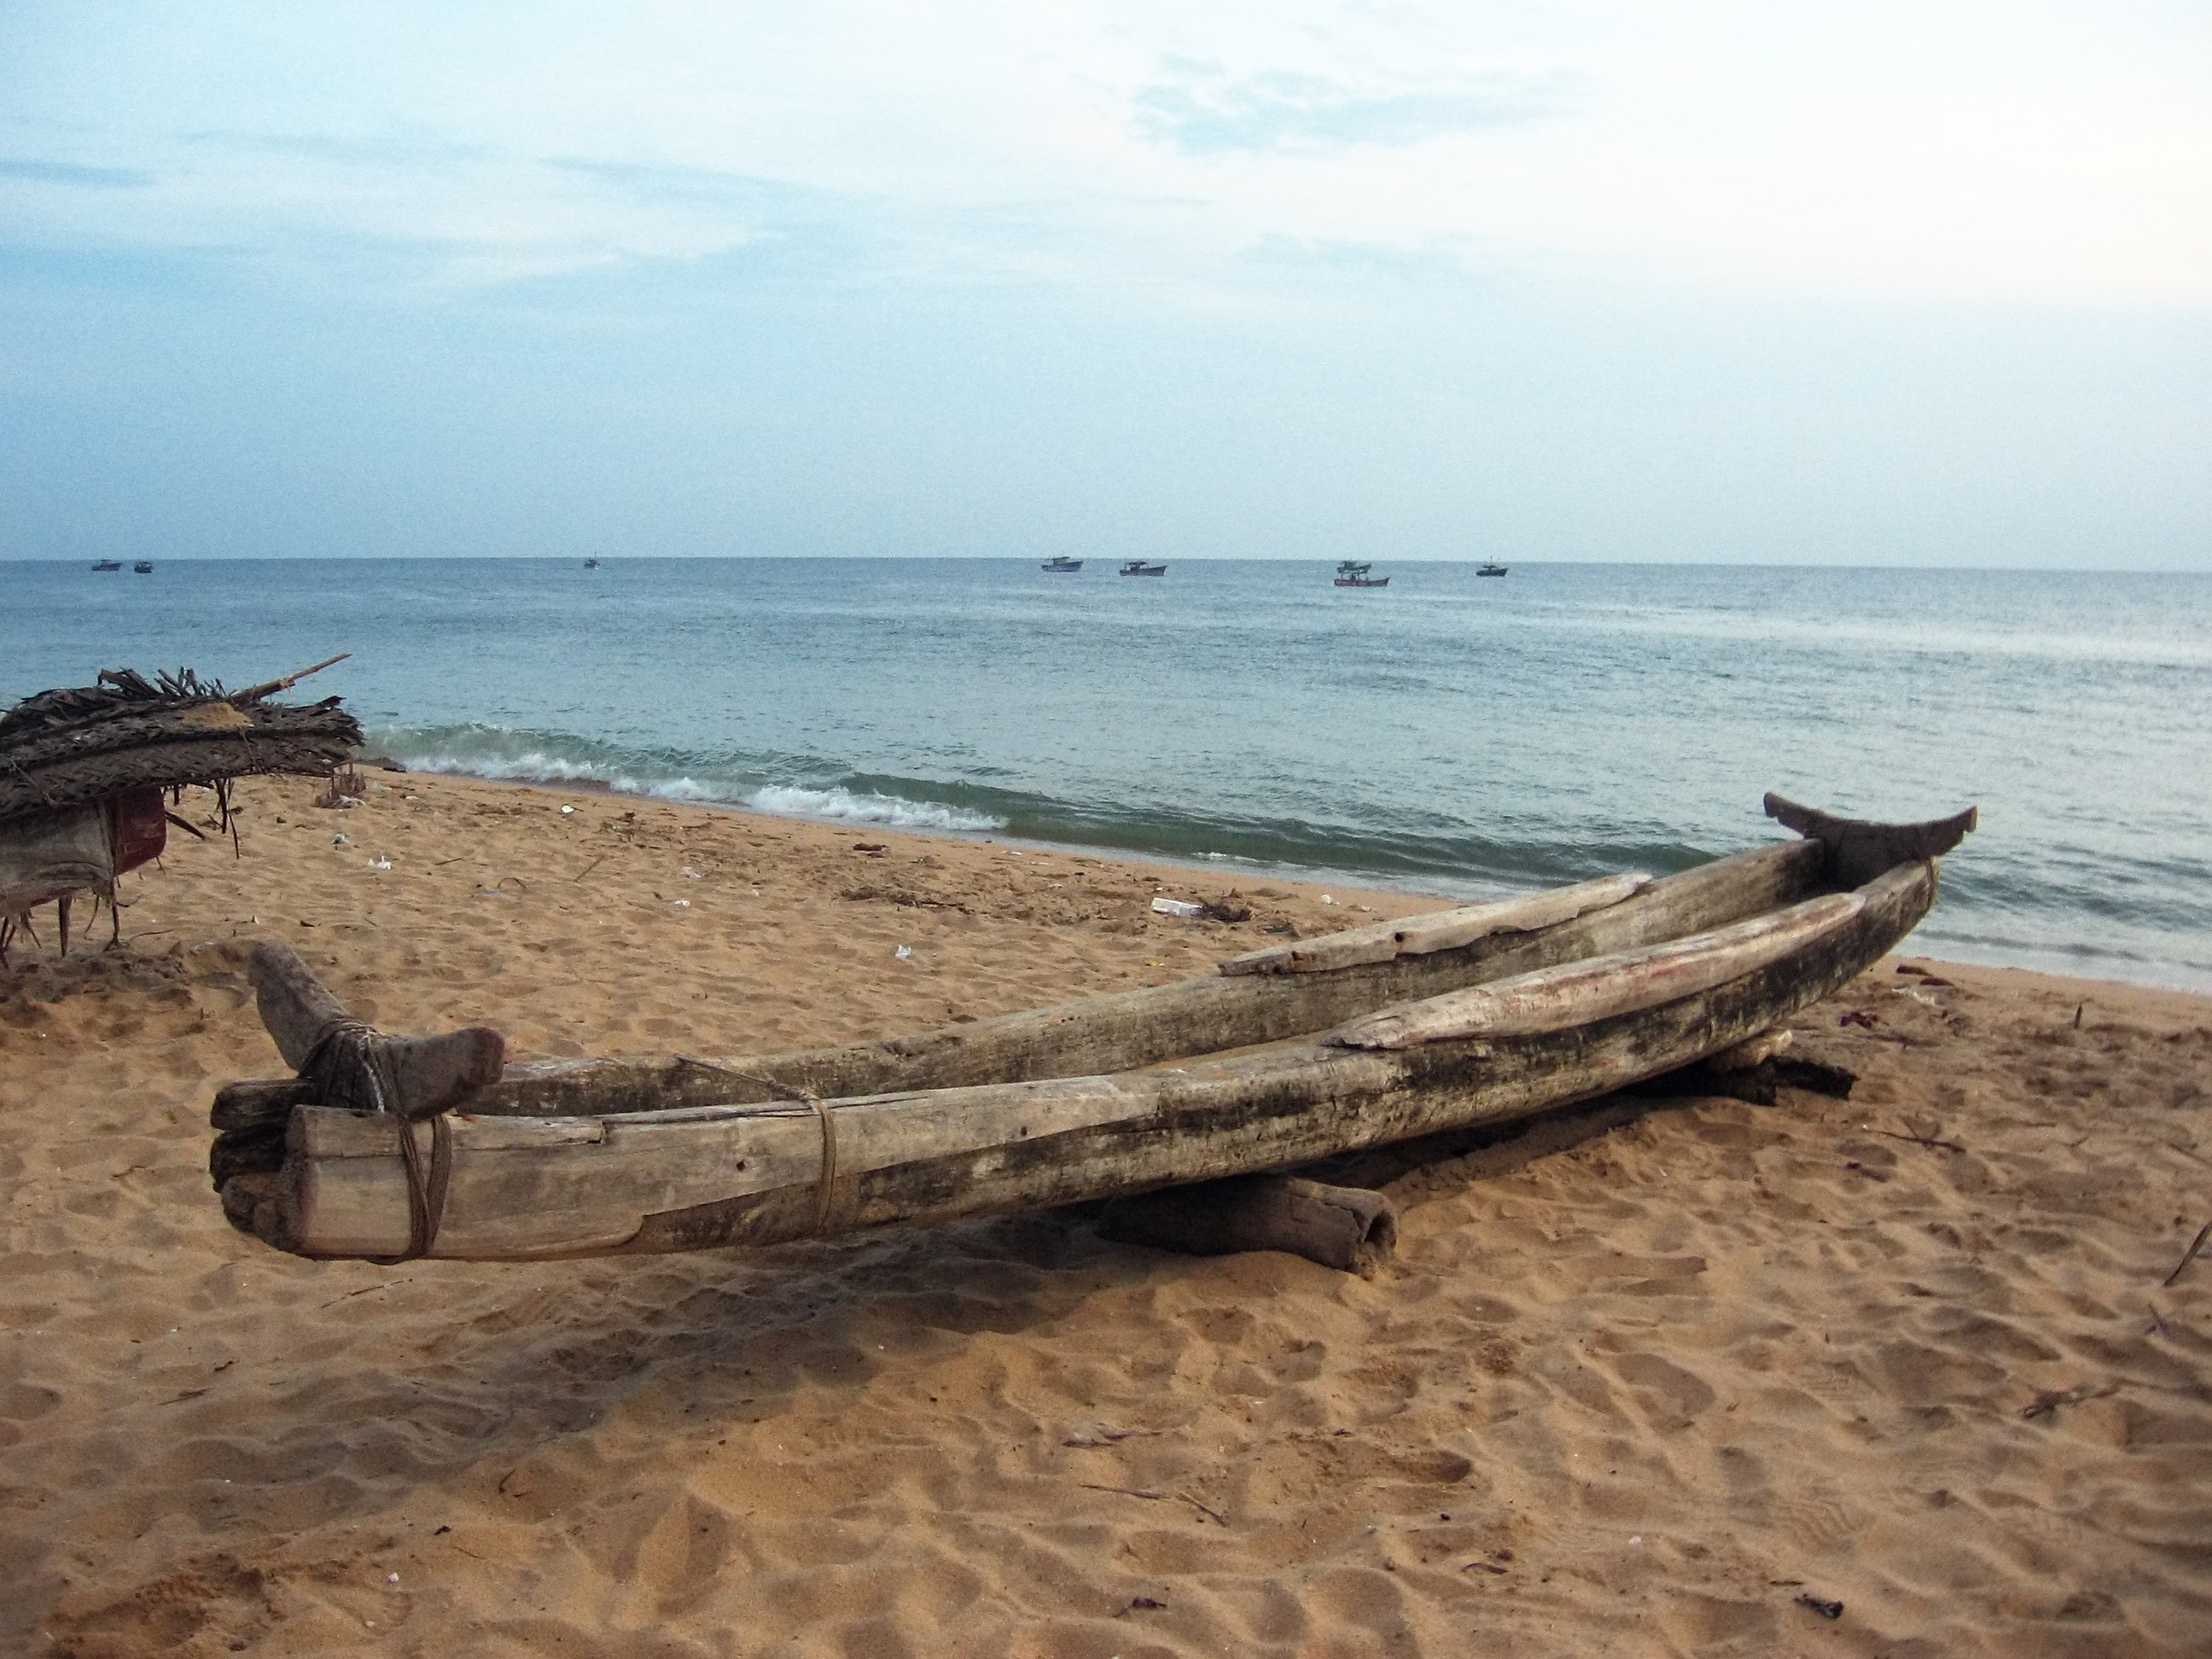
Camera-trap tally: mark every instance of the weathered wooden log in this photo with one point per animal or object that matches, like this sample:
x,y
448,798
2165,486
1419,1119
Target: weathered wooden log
x,y
297,1009
350,1064
759,1173
1759,1085
1133,1028
1859,851
1554,999
259,1102
1443,930
1347,1228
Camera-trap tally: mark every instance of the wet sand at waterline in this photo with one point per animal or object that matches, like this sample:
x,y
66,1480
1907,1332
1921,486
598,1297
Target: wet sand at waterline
x,y
1656,1376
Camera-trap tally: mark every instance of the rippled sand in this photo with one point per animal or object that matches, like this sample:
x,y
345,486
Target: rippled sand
x,y
1655,1376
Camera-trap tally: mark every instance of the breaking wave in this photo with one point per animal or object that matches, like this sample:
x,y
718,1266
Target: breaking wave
x,y
520,756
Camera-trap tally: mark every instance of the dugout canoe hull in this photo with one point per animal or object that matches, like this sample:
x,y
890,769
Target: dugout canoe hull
x,y
1245,1072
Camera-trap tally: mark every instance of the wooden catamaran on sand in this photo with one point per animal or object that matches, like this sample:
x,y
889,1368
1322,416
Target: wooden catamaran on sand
x,y
393,1148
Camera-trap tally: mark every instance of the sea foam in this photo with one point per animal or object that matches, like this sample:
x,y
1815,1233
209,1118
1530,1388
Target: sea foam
x,y
486,752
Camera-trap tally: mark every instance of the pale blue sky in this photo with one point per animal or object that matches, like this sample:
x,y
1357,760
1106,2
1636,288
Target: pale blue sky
x,y
1893,283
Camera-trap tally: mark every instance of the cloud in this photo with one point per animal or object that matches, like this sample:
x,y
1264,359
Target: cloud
x,y
73,174
1146,146
385,149
1209,113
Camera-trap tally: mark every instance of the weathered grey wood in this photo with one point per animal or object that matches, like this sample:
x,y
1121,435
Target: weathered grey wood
x,y
1440,930
650,1162
1146,1027
296,1008
349,1063
741,1174
259,1103
319,1131
1556,999
1347,1228
1859,851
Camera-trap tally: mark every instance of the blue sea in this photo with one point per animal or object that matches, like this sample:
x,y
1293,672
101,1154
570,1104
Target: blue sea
x,y
1452,732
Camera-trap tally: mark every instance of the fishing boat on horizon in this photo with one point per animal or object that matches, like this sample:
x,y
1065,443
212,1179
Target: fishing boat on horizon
x,y
1139,568
144,567
107,564
590,564
1060,565
1490,568
1353,573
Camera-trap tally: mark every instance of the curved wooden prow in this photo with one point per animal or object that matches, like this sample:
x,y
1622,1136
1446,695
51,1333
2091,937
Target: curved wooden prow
x,y
1859,851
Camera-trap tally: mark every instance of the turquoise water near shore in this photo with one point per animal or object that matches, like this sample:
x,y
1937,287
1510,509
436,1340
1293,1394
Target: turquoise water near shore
x,y
1458,733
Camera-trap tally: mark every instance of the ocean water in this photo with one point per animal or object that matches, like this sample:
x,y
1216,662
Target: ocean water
x,y
1470,735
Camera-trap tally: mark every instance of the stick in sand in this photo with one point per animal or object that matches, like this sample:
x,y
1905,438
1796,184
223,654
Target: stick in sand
x,y
2190,1254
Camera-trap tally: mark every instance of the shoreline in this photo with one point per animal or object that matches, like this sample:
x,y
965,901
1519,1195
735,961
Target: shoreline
x,y
1370,884
1676,1373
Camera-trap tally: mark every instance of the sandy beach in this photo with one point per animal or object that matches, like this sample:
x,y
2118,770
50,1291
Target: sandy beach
x,y
1896,1376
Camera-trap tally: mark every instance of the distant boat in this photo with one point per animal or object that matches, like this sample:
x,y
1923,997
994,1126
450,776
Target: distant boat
x,y
590,564
144,566
107,564
1353,573
1139,568
1362,581
1491,569
1060,564
1354,567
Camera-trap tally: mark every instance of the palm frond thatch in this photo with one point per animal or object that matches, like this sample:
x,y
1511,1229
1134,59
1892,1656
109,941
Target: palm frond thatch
x,y
79,744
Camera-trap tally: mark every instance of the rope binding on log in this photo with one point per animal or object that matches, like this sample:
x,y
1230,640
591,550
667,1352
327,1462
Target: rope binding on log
x,y
350,1067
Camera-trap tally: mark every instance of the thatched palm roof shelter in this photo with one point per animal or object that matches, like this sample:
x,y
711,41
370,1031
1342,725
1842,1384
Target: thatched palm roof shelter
x,y
86,773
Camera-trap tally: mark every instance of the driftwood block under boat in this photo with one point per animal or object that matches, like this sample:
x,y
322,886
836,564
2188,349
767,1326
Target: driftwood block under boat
x,y
1230,1076
1347,1228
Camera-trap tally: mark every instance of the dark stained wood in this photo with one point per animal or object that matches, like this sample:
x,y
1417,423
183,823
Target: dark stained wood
x,y
412,1077
1859,851
1347,1228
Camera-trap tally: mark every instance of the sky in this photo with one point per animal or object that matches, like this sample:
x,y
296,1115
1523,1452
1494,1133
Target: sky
x,y
1712,281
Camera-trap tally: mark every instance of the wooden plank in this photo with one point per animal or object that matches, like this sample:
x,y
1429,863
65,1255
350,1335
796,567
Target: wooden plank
x,y
640,1165
1440,930
1159,1023
696,1179
296,1008
322,1131
1554,999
